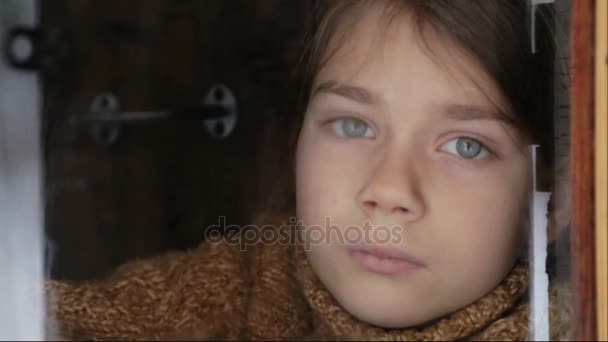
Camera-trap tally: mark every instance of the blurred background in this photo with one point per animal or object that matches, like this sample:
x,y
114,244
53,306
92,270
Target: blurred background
x,y
156,184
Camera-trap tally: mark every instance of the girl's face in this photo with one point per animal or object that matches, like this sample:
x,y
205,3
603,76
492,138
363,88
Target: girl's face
x,y
398,137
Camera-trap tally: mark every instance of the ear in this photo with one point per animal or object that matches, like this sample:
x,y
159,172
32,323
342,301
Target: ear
x,y
559,206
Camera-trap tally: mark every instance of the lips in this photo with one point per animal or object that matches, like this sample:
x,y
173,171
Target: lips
x,y
384,259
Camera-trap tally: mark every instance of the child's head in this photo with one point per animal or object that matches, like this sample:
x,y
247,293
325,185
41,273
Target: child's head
x,y
419,116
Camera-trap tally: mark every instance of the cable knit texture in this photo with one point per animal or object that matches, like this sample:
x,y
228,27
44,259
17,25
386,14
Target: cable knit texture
x,y
219,292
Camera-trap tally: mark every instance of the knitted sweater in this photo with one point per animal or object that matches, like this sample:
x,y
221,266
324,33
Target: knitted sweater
x,y
218,291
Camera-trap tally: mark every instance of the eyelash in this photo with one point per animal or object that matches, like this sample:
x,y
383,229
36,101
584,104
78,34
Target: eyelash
x,y
335,121
490,153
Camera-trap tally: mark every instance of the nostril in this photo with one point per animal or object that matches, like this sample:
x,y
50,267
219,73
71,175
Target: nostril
x,y
401,210
370,204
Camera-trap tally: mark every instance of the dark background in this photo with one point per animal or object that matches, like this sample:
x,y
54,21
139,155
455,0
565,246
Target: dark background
x,y
163,182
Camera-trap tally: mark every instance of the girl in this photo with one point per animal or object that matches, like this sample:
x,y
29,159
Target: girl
x,y
412,186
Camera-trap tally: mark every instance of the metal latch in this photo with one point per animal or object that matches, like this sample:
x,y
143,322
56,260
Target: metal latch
x,y
217,114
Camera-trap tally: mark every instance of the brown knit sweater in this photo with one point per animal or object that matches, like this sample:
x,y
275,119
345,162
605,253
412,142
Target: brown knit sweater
x,y
217,291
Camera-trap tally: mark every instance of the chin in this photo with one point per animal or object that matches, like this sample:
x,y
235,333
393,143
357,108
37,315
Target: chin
x,y
382,309
385,316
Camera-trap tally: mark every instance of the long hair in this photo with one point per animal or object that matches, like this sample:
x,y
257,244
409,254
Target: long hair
x,y
494,32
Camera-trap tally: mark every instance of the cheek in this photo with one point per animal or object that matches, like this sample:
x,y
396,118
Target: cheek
x,y
328,177
483,220
313,180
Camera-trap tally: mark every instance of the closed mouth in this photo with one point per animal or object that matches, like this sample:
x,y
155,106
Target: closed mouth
x,y
384,259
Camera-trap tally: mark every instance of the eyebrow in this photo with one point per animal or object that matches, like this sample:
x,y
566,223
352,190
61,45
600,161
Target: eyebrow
x,y
354,93
471,112
459,112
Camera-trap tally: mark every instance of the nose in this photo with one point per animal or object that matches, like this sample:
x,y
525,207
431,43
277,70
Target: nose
x,y
393,190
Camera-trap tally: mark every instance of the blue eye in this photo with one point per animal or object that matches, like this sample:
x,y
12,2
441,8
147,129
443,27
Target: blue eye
x,y
352,128
467,148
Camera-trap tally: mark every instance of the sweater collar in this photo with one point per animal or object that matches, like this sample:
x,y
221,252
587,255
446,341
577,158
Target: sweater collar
x,y
333,320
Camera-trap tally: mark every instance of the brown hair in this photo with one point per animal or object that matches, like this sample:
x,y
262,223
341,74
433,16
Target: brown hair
x,y
495,32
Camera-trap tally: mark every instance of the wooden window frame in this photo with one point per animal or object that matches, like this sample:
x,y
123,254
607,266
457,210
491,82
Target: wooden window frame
x,y
601,167
588,168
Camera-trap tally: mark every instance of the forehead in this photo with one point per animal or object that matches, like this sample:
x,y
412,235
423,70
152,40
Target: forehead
x,y
390,55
